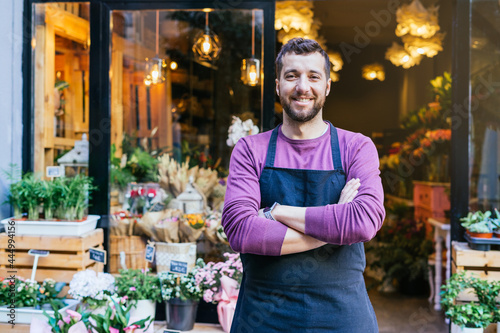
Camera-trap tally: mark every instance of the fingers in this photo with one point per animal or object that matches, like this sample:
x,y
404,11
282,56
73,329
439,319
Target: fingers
x,y
349,191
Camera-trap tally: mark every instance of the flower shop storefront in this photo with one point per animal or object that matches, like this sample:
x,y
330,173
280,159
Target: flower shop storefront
x,y
134,106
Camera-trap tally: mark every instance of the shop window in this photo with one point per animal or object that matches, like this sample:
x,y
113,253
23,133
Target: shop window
x,y
485,105
185,108
60,45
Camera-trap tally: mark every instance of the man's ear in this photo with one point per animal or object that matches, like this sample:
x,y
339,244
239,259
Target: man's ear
x,y
277,87
328,86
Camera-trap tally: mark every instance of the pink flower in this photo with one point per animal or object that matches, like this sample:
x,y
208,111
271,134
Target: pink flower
x,y
132,289
67,319
74,314
123,299
113,330
60,323
131,328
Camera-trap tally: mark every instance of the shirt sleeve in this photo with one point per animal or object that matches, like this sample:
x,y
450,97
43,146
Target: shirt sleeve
x,y
359,220
246,232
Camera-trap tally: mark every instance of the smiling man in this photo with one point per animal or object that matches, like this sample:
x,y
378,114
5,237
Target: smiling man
x,y
300,201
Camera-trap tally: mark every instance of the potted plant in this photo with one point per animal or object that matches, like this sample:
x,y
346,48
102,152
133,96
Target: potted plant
x,y
470,317
182,294
92,289
117,319
496,224
478,224
141,290
222,281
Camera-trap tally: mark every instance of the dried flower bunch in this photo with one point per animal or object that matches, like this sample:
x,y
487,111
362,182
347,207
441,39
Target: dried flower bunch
x,y
240,129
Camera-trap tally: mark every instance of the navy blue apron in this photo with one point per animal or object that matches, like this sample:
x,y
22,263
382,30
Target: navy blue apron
x,y
317,291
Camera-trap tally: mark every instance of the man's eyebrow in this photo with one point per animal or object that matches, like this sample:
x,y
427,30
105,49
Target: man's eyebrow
x,y
295,71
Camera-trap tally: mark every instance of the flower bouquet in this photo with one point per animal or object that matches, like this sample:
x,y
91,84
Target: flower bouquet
x,y
74,322
222,281
117,319
93,289
191,227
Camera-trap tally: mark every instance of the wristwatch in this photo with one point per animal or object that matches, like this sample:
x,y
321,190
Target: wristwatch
x,y
268,210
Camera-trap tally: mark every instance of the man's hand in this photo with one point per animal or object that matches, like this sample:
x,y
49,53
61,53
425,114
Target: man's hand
x,y
349,191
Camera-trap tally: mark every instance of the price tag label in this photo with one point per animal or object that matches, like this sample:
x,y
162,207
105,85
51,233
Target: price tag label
x,y
150,253
98,255
41,253
178,267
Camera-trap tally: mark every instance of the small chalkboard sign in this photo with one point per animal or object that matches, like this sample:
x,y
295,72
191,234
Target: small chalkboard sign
x,y
150,253
54,171
178,267
98,255
41,253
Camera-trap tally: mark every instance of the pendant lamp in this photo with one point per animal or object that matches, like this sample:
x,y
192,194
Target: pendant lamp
x,y
155,67
206,46
250,67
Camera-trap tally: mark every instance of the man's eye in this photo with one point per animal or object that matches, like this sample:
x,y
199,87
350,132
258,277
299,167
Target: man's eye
x,y
289,76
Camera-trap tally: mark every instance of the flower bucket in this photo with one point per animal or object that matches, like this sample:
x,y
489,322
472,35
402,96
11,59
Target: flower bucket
x,y
142,309
181,314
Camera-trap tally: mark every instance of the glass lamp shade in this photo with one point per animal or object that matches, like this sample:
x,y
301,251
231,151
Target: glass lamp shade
x,y
155,71
400,57
206,46
250,71
373,71
429,47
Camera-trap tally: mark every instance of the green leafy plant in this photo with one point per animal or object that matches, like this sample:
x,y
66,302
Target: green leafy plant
x,y
116,320
75,192
14,198
48,291
138,284
471,315
184,287
121,176
30,293
30,187
478,222
74,322
51,194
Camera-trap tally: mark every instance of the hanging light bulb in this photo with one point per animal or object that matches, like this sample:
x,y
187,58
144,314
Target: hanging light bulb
x,y
250,68
373,71
400,57
155,67
206,45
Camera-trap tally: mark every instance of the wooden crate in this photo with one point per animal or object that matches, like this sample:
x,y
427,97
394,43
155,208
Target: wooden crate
x,y
481,264
134,248
68,255
18,328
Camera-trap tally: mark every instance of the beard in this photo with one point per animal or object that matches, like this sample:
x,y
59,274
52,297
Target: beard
x,y
302,116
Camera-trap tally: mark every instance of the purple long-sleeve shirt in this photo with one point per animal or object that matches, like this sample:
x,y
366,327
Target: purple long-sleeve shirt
x,y
340,224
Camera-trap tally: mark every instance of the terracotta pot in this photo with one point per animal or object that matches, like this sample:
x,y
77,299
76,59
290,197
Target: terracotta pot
x,y
496,233
480,235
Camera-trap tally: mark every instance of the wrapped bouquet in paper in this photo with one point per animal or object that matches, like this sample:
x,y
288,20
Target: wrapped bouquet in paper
x,y
212,224
191,227
162,226
122,224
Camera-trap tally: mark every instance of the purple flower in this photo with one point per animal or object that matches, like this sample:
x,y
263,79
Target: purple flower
x,y
132,289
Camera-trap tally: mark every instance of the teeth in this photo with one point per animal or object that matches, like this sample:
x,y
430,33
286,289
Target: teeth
x,y
303,99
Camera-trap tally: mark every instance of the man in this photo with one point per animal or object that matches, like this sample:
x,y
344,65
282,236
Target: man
x,y
288,210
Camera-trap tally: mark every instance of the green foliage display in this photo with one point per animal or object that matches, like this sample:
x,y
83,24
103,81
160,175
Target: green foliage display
x,y
401,249
137,284
474,314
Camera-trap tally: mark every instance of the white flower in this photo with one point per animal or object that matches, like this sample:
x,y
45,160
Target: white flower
x,y
87,284
240,129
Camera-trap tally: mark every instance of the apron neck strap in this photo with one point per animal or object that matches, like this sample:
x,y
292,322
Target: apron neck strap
x,y
337,160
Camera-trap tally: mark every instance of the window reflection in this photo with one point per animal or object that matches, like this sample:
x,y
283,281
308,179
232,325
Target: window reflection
x,y
485,105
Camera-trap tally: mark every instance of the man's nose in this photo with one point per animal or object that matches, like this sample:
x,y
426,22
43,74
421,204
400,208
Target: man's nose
x,y
302,85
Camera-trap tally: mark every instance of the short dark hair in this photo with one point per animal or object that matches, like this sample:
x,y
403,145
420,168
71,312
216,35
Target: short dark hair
x,y
304,46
